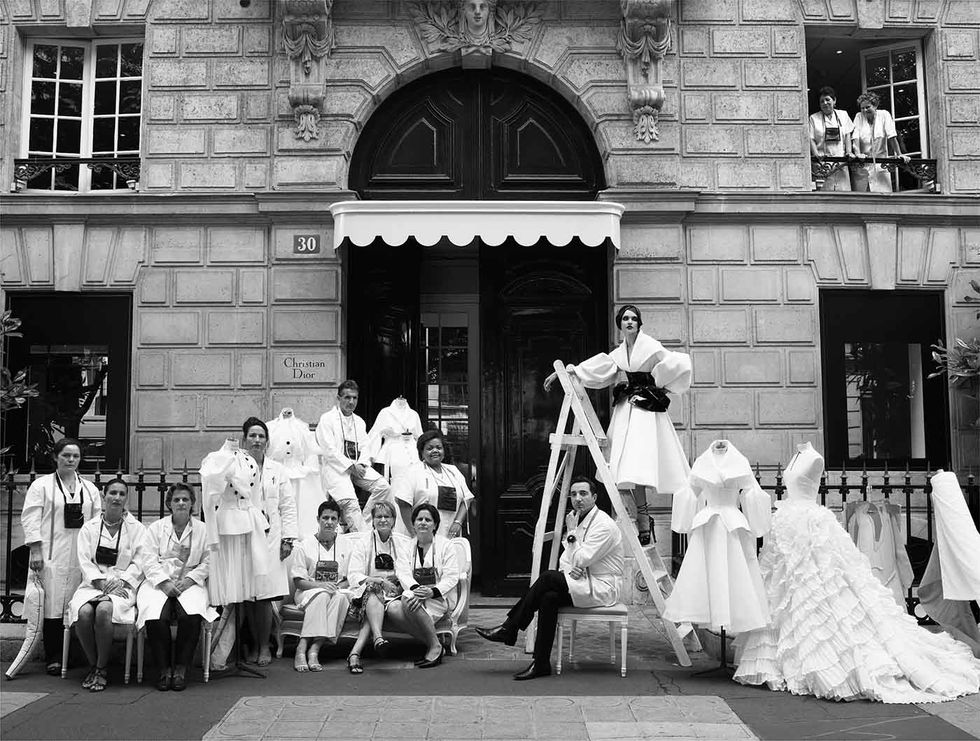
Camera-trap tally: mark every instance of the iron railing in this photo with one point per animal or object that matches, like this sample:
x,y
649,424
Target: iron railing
x,y
26,170
923,170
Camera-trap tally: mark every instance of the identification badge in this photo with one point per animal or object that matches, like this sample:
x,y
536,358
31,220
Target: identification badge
x,y
106,556
384,562
832,134
447,498
425,575
74,518
350,449
326,571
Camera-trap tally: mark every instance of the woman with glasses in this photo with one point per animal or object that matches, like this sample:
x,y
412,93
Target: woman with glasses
x,y
372,572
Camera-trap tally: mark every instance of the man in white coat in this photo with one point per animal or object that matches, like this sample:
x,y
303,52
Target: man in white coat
x,y
342,435
591,567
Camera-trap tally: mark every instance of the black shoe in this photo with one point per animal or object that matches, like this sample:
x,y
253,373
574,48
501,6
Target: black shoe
x,y
500,634
533,671
178,683
429,663
163,683
418,662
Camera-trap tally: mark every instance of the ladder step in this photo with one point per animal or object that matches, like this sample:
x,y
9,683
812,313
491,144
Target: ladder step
x,y
574,440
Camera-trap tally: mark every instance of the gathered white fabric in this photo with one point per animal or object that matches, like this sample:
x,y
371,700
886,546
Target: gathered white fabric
x,y
956,538
836,631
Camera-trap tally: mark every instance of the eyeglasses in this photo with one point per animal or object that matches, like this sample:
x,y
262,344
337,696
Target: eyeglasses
x,y
382,517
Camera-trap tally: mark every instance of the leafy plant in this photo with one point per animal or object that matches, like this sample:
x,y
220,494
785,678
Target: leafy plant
x,y
961,360
14,389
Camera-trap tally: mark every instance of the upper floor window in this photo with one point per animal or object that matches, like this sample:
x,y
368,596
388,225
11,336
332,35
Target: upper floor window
x,y
85,104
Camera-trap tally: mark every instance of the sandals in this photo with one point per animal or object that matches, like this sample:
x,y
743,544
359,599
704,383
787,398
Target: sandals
x,y
99,680
354,664
265,657
87,682
299,662
381,646
313,660
54,669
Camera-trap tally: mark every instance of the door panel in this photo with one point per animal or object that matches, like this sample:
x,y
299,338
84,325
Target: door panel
x,y
545,303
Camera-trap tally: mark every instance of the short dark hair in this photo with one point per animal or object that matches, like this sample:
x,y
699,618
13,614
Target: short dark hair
x,y
180,486
623,310
348,384
328,506
827,90
431,509
583,479
426,436
64,443
254,422
115,480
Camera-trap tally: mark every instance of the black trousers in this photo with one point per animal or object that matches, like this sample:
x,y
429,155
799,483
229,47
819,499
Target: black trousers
x,y
53,637
188,632
545,597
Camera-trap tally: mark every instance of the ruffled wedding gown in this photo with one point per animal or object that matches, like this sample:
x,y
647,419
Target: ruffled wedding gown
x,y
836,631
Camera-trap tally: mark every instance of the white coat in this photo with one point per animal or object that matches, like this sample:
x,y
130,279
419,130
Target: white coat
x,y
274,497
304,559
362,555
331,432
598,548
160,560
423,486
645,449
127,568
43,520
442,555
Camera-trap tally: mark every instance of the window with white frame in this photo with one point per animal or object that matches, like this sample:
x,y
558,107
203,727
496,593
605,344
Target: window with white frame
x,y
85,102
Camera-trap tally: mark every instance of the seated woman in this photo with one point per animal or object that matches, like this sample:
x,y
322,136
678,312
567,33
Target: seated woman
x,y
437,483
175,560
372,572
109,555
428,574
319,574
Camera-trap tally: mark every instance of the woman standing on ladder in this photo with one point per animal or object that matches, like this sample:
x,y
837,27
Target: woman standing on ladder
x,y
646,454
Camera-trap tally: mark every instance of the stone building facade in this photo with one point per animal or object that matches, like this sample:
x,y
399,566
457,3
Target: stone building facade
x,y
723,244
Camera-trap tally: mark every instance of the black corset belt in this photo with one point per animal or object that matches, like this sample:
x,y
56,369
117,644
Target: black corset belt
x,y
642,392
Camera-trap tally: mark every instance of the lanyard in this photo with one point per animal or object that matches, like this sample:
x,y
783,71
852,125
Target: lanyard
x,y
840,133
345,428
118,534
375,546
419,555
333,550
189,529
78,482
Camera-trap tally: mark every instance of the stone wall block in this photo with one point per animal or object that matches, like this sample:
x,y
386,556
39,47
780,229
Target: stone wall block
x,y
256,40
853,247
38,246
722,407
233,244
957,44
651,284
208,176
251,369
775,244
964,142
670,322
154,286
773,73
749,285
704,285
241,73
302,326
718,243
794,174
176,245
306,171
307,404
257,106
228,410
787,41
693,41
789,107
199,369
719,326
171,140
213,39
706,368
696,106
239,140
964,176
210,286
971,246
256,175
166,410
797,407
161,40
168,327
128,256
398,42
651,242
800,286
786,325
775,140
178,73
740,41
157,175
161,108
251,285
742,107
963,12
770,11
882,238
760,446
708,11
752,367
345,101
912,247
608,101
209,107
97,255
236,327
148,451
68,240
305,284
709,73
821,251
697,175
802,367
962,76
556,41
633,170
180,10
741,175
371,70
300,367
583,68
713,140
962,109
152,367
943,254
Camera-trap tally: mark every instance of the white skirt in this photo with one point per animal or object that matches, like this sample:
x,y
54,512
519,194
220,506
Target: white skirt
x,y
646,450
123,608
150,601
230,577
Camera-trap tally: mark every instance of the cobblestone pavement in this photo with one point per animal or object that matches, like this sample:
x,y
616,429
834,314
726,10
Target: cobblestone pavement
x,y
418,717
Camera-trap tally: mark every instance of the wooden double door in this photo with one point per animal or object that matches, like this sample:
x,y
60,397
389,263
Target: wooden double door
x,y
527,307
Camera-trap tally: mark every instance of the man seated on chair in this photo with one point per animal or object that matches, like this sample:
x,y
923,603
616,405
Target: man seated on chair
x,y
591,566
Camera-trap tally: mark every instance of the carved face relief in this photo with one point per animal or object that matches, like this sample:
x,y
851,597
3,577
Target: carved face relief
x,y
476,16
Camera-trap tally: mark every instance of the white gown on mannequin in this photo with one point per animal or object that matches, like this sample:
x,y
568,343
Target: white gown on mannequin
x,y
292,444
836,631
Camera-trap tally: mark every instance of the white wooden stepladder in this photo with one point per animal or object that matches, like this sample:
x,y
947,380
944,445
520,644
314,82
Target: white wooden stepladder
x,y
587,431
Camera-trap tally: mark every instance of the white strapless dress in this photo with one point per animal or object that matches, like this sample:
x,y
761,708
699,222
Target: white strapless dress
x,y
836,631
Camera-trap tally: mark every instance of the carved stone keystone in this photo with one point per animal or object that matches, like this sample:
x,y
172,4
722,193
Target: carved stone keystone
x,y
307,36
644,39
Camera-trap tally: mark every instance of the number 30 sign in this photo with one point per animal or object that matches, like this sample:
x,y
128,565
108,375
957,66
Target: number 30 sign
x,y
306,244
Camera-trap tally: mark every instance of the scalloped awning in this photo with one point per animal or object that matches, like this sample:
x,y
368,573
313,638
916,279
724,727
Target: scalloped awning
x,y
395,222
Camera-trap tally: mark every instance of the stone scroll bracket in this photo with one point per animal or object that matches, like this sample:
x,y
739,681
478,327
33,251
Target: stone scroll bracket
x,y
308,39
644,40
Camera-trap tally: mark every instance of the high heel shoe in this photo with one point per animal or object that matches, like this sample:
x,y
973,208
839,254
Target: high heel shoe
x,y
429,663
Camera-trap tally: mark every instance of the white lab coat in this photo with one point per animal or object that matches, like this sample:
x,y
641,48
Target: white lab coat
x,y
423,486
160,559
442,555
127,568
42,520
331,432
598,548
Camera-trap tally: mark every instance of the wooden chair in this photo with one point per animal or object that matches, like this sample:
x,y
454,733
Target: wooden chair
x,y
120,631
618,613
204,643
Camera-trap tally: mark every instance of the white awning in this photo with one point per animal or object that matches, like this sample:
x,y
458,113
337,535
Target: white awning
x,y
461,222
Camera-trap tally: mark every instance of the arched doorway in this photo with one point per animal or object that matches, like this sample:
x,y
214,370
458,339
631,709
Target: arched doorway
x,y
468,333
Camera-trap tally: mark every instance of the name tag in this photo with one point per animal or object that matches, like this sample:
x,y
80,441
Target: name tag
x,y
350,449
326,571
447,498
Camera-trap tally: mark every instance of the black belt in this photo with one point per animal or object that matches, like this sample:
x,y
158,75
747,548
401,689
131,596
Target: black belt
x,y
641,391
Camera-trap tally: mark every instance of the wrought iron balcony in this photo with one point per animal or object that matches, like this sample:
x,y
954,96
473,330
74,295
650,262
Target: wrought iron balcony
x,y
26,170
922,172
